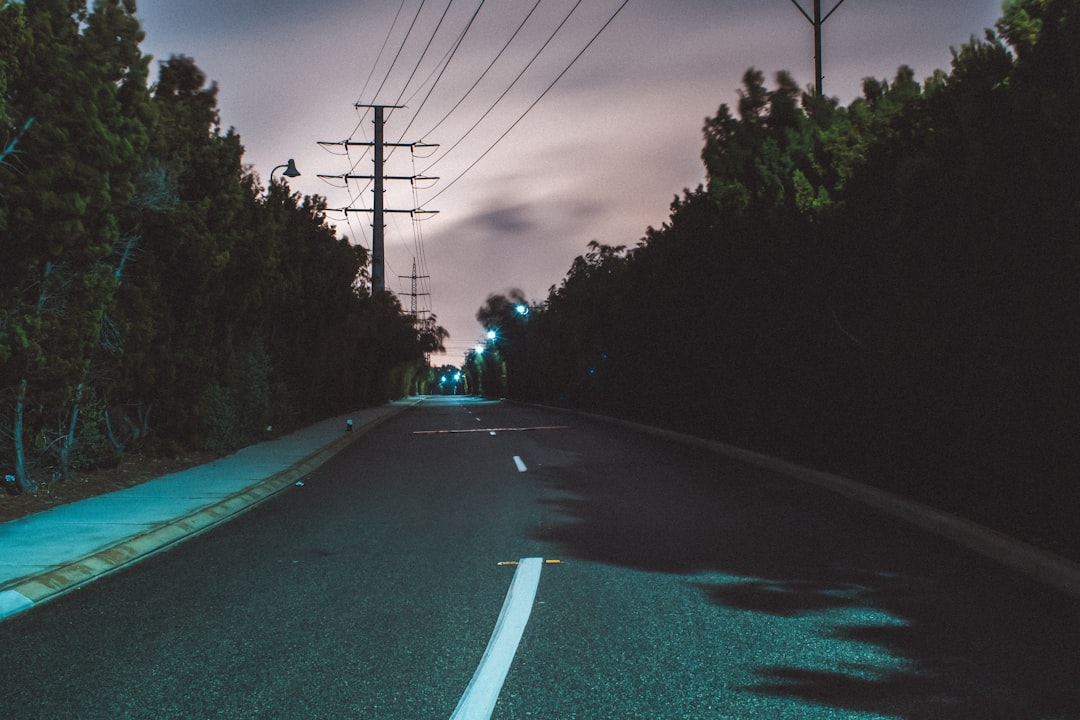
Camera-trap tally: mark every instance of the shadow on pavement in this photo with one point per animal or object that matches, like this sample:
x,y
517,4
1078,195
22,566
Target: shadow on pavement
x,y
967,639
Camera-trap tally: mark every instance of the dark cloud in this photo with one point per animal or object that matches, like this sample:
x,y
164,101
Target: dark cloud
x,y
503,223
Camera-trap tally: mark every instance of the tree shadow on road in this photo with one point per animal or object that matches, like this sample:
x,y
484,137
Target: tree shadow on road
x,y
968,639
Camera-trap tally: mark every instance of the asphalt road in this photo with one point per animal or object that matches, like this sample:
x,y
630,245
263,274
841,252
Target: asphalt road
x,y
690,587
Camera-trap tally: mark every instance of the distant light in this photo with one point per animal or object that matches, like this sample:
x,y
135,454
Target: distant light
x,y
522,310
479,349
457,376
490,334
442,379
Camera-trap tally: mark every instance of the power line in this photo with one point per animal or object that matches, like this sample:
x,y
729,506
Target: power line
x,y
507,90
534,103
404,40
453,51
424,53
378,256
438,67
485,72
375,64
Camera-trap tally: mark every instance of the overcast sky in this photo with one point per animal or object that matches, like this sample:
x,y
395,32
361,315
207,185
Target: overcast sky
x,y
599,157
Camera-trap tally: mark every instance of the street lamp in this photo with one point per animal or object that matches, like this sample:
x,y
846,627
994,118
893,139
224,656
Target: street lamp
x,y
290,170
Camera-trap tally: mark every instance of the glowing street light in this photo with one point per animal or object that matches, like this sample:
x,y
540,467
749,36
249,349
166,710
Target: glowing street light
x,y
491,334
522,310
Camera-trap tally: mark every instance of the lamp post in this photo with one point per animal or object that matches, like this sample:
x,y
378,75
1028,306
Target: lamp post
x,y
290,170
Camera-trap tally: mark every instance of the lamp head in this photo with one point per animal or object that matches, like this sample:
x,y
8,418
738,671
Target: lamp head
x,y
290,169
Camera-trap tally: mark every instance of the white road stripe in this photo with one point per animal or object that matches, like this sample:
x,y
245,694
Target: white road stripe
x,y
520,463
480,696
498,429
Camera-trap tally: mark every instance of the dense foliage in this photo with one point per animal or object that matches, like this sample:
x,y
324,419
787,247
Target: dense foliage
x,y
149,287
889,289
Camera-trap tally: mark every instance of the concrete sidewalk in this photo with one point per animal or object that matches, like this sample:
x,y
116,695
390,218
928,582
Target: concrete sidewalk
x,y
49,553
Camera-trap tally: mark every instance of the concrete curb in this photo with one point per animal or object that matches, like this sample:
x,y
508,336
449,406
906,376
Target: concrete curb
x,y
28,591
1046,567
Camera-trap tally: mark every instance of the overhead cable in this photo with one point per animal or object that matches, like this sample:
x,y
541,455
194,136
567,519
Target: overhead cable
x,y
535,102
400,48
453,51
507,90
424,53
483,74
381,50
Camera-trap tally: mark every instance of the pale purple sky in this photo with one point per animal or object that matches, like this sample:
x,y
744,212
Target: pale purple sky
x,y
600,157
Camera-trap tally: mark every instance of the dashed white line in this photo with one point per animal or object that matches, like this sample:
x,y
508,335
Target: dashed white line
x,y
480,696
520,464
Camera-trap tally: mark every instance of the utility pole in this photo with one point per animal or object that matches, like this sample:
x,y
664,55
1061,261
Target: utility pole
x,y
378,225
378,275
817,21
413,295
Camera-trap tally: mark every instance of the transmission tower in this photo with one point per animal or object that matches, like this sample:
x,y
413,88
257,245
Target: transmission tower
x,y
817,21
378,225
413,295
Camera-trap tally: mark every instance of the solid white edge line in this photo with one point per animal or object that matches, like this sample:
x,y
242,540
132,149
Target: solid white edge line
x,y
520,463
480,696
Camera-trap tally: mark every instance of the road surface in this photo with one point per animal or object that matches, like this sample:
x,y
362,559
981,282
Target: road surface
x,y
689,586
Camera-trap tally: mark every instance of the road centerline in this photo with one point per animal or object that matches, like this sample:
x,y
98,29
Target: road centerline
x,y
488,430
478,701
520,464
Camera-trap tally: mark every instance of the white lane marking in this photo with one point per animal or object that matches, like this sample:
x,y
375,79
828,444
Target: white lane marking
x,y
480,696
520,463
499,429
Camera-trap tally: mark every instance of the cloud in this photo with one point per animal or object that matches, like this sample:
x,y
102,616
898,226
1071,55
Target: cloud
x,y
599,157
503,223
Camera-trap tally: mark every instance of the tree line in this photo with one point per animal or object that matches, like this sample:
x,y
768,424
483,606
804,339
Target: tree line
x,y
151,290
888,289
